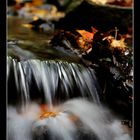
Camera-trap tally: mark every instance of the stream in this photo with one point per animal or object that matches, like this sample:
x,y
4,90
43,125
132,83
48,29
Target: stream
x,y
53,76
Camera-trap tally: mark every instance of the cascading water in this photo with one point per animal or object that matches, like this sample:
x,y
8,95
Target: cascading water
x,y
52,78
63,118
76,119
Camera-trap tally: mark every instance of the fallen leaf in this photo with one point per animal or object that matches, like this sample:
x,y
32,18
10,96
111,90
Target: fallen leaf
x,y
114,43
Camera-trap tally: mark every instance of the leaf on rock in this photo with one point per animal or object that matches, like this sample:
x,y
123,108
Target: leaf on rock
x,y
116,43
86,38
86,35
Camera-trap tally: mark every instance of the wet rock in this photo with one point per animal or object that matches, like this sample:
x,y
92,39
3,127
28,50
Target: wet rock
x,y
44,132
42,26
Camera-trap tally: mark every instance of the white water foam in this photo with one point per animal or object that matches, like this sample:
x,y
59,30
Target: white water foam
x,y
94,120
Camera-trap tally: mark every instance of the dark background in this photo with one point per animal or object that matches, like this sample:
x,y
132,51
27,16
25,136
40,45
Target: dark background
x,y
3,69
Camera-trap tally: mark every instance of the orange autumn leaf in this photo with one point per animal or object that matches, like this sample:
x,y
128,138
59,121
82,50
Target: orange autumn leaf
x,y
84,44
45,113
48,114
86,38
86,35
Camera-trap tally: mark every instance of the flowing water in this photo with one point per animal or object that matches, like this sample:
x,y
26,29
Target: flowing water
x,y
76,119
57,80
24,43
80,118
39,74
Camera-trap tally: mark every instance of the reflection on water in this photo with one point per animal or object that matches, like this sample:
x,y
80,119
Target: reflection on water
x,y
16,30
24,43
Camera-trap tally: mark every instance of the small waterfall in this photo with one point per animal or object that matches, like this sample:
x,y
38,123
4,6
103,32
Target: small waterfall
x,y
57,80
63,118
77,119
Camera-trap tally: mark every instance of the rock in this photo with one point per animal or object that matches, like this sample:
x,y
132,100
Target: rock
x,y
103,18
